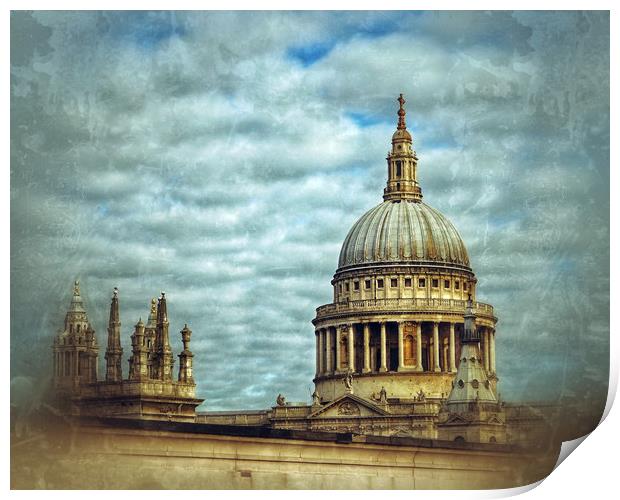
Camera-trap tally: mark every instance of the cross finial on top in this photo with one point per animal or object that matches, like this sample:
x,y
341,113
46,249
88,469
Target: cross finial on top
x,y
401,113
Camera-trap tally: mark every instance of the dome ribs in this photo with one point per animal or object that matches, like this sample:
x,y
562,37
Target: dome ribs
x,y
431,251
419,234
442,237
401,232
361,234
458,252
345,247
381,229
372,237
408,250
391,252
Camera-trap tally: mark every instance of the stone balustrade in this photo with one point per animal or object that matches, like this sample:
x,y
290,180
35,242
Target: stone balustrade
x,y
403,304
149,387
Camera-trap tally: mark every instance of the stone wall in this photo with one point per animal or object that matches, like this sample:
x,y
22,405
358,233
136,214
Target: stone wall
x,y
126,454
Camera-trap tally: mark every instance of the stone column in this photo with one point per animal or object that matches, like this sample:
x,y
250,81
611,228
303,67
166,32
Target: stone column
x,y
436,346
318,350
452,349
321,368
401,350
418,346
492,349
352,347
383,367
338,361
486,348
366,348
328,351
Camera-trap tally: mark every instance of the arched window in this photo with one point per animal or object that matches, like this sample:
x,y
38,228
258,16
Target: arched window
x,y
492,439
459,439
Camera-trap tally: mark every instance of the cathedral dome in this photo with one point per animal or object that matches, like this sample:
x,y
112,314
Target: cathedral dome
x,y
403,232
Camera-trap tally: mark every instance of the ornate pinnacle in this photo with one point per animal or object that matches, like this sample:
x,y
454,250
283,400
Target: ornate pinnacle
x,y
114,314
76,287
186,335
401,113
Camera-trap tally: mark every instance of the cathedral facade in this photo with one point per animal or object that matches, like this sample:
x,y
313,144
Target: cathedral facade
x,y
150,390
404,349
400,293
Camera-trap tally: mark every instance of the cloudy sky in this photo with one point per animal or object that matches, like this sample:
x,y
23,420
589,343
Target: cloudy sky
x,y
223,157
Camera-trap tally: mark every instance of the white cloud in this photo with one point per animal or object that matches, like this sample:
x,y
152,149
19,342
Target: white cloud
x,y
227,172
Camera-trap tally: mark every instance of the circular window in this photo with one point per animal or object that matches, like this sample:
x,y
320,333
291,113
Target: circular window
x,y
475,384
461,383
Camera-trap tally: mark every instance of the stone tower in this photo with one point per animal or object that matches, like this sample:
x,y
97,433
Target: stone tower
x,y
75,348
138,362
114,351
472,411
150,332
186,358
163,359
149,391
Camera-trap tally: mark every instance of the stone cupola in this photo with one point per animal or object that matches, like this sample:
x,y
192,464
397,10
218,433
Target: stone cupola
x,y
402,162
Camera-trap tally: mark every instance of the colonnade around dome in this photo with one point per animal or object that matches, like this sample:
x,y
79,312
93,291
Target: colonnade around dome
x,y
369,347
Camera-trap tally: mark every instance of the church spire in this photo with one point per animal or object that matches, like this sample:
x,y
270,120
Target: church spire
x,y
472,411
114,351
163,353
471,381
152,321
402,161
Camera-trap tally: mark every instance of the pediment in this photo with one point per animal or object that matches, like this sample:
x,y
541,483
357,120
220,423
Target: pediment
x,y
457,419
494,420
348,406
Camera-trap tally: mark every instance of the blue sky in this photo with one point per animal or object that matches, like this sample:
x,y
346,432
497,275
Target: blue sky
x,y
223,157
